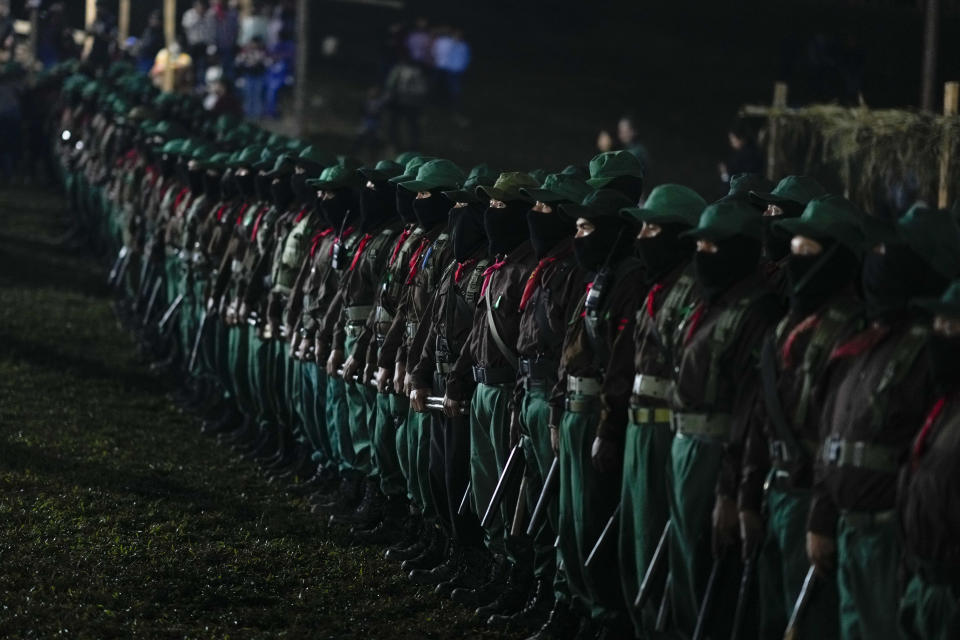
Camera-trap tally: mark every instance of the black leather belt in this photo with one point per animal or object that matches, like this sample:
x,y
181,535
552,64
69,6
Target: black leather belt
x,y
493,375
539,369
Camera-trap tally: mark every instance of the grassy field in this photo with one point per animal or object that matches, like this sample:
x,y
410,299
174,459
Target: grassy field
x,y
118,519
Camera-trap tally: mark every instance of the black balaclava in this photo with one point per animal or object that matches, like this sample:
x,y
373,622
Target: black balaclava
x,y
298,183
405,205
336,210
776,246
890,280
246,184
181,171
168,165
212,181
610,242
547,230
281,192
431,211
664,251
505,231
943,354
228,185
261,184
466,230
630,186
814,279
195,178
377,205
736,258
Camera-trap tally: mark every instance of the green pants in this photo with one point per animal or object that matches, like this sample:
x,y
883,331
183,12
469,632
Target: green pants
x,y
313,396
930,611
239,346
695,466
868,561
489,448
535,423
260,376
338,424
417,431
361,410
644,506
389,407
587,500
782,567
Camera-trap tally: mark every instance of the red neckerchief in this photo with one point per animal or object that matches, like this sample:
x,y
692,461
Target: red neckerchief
x,y
533,282
179,198
805,325
256,223
346,233
695,322
652,299
461,269
488,273
920,445
243,210
300,215
363,245
396,250
583,314
413,265
317,237
860,343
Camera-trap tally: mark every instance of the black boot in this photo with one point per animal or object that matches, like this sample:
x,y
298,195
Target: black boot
x,y
489,590
432,555
561,624
519,583
347,497
413,541
534,613
440,573
368,503
473,572
391,528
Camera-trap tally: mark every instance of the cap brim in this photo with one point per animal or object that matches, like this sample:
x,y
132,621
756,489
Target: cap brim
x,y
699,233
416,186
374,175
461,196
402,178
497,194
764,198
599,183
543,195
638,214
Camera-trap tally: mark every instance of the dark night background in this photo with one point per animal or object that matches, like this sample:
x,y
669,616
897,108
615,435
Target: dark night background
x,y
547,76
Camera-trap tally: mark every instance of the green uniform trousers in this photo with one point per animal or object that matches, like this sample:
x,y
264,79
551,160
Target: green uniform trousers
x,y
338,423
587,500
314,398
535,423
644,506
930,611
782,567
695,466
417,430
868,561
489,448
388,410
237,356
361,409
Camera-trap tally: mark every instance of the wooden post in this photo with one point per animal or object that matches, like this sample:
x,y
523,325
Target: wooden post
x,y
170,31
246,8
779,102
931,43
951,101
91,14
303,52
123,22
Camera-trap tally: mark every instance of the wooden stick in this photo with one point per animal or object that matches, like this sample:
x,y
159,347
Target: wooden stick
x,y
779,102
951,101
91,13
123,22
170,30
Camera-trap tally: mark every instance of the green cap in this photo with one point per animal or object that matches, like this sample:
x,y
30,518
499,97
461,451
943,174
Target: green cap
x,y
946,305
669,204
559,187
318,157
202,152
411,169
405,157
832,217
539,175
599,203
382,171
746,182
508,187
934,236
576,171
604,168
436,174
335,177
267,159
480,175
172,147
792,191
217,161
248,157
283,166
725,218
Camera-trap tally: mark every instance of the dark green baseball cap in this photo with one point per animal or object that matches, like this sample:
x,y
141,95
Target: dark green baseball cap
x,y
410,169
317,157
669,204
832,217
792,191
946,305
382,171
539,175
335,177
725,218
576,171
934,236
607,166
436,174
217,162
559,187
406,157
283,166
480,175
599,203
247,157
746,182
508,187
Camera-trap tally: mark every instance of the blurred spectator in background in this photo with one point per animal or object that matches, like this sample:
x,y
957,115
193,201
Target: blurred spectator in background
x,y
226,30
252,63
280,70
51,36
627,139
255,25
406,91
419,42
451,55
368,137
182,66
199,30
221,99
744,155
151,42
103,38
6,28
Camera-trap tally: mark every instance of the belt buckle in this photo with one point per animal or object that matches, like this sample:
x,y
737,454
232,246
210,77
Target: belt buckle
x,y
779,451
833,450
642,416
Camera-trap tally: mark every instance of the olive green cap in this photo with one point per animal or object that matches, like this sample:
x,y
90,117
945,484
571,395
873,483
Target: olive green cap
x,y
559,187
795,190
539,175
335,177
202,153
406,157
268,158
283,165
725,218
508,187
946,305
411,169
247,157
318,157
382,171
218,161
669,204
172,147
599,203
436,174
480,175
576,171
605,167
832,217
934,236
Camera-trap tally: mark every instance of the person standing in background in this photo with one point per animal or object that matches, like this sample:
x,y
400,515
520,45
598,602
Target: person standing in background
x,y
226,30
255,25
